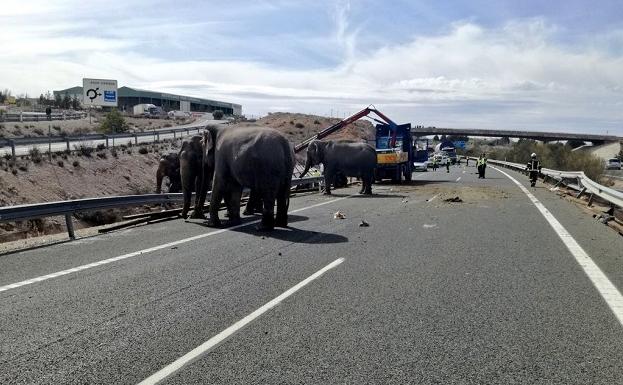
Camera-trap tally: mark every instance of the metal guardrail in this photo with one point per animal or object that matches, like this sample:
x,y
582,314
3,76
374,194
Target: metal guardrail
x,y
67,208
583,184
39,117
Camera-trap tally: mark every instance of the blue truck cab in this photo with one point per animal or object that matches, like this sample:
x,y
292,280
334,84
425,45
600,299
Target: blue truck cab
x,y
394,162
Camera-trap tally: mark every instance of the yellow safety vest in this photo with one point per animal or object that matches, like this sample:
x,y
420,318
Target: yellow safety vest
x,y
482,161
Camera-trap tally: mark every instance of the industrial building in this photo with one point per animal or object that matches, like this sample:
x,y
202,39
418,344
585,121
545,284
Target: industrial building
x,y
129,97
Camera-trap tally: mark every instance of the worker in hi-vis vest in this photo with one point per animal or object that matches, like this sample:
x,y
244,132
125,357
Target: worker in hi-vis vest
x,y
482,165
534,168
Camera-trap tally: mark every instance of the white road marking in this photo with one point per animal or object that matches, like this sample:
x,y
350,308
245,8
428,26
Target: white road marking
x,y
608,291
145,251
458,179
212,342
433,198
428,226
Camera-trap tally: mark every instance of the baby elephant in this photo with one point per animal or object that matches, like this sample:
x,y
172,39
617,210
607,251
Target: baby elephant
x,y
169,166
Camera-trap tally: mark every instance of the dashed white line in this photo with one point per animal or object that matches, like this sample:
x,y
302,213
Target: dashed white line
x,y
608,291
145,251
212,342
458,179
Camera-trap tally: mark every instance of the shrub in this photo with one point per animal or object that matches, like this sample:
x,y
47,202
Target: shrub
x,y
18,132
99,217
143,150
113,122
76,163
101,147
316,121
168,125
102,155
60,163
218,114
14,171
291,121
23,167
299,125
113,152
84,150
16,126
39,131
35,155
57,128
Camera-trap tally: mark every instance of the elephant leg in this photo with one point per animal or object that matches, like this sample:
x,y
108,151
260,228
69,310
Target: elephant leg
x,y
215,202
234,194
253,204
187,182
159,177
283,202
268,219
367,182
328,178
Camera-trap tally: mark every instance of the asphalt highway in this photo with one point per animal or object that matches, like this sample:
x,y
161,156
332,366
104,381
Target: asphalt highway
x,y
482,291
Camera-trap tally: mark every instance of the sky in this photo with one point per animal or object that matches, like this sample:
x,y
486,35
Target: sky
x,y
533,65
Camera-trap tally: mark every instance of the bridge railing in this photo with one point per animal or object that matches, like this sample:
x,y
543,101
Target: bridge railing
x,y
68,208
583,184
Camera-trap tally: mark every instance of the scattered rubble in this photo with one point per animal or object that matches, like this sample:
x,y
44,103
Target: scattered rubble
x,y
364,224
455,199
339,215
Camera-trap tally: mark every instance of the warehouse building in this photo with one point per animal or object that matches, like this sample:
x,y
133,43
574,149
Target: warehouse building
x,y
129,97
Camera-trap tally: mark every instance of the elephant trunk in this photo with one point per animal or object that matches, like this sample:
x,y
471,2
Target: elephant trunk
x,y
307,166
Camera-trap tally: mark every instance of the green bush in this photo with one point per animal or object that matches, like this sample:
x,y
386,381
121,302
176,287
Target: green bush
x,y
299,125
218,114
143,150
556,156
113,122
35,154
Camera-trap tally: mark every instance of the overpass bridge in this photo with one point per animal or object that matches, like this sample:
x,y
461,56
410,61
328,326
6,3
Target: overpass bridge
x,y
536,135
507,284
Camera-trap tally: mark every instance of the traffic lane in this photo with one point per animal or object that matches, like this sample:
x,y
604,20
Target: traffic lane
x,y
604,245
119,313
488,295
18,266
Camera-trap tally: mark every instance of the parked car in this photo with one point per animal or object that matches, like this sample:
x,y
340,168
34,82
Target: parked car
x,y
179,114
613,164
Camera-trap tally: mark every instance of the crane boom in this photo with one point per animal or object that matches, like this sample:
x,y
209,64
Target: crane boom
x,y
345,122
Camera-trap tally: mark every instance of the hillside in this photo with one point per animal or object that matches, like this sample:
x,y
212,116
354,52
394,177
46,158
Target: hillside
x,y
101,173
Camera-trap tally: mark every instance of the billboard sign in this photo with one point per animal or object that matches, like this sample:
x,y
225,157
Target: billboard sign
x,y
99,92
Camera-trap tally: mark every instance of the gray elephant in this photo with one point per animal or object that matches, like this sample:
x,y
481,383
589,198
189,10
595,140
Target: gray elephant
x,y
169,166
350,158
193,173
260,158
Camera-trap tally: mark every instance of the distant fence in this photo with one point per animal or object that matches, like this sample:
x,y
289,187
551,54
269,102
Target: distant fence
x,y
40,117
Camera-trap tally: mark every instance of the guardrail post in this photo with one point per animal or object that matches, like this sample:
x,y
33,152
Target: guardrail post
x,y
70,226
158,137
187,132
21,117
12,144
106,137
590,200
135,139
174,137
581,192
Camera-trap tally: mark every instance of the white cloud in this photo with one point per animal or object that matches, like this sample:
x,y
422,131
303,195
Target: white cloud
x,y
517,76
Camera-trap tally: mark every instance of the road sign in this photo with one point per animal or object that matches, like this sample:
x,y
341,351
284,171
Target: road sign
x,y
99,92
459,144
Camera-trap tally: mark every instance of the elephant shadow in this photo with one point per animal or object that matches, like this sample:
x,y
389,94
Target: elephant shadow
x,y
290,234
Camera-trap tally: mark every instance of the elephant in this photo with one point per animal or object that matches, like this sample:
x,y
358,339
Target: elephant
x,y
260,158
193,173
350,158
169,166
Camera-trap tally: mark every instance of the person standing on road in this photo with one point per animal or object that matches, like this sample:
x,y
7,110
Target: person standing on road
x,y
482,165
534,168
447,164
434,163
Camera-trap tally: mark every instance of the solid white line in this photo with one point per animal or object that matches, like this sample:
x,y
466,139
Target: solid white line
x,y
433,198
608,291
212,342
458,179
145,251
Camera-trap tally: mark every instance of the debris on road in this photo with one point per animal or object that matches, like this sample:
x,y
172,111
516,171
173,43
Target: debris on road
x,y
429,226
364,224
455,199
339,215
603,218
